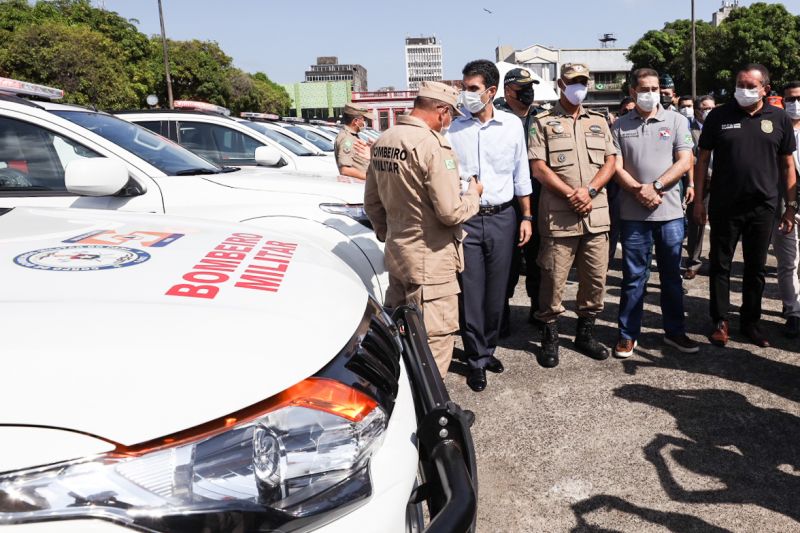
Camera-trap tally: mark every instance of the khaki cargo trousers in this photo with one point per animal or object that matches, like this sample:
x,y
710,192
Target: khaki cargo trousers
x,y
439,307
589,253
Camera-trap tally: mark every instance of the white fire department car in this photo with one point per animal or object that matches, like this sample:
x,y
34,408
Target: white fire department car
x,y
53,154
180,375
208,131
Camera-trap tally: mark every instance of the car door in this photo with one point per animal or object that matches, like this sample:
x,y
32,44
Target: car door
x,y
219,144
34,155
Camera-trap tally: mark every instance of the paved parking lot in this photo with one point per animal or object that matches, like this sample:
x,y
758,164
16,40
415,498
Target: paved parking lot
x,y
660,442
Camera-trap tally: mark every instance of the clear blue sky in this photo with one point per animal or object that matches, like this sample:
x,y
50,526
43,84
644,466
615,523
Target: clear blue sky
x,y
283,38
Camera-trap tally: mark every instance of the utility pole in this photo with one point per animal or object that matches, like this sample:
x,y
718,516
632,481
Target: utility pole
x,y
694,57
166,56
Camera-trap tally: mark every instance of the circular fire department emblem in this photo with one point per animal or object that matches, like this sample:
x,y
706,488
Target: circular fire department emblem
x,y
79,258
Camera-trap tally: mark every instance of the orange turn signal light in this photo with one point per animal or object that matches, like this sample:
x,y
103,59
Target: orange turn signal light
x,y
322,394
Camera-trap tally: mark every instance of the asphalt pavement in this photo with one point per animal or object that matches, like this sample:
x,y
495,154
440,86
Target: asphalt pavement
x,y
662,441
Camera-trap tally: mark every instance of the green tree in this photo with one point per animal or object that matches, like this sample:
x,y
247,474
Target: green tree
x,y
81,61
761,33
278,100
199,71
131,48
668,51
101,58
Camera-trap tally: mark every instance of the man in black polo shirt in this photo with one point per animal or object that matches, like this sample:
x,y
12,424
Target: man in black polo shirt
x,y
752,143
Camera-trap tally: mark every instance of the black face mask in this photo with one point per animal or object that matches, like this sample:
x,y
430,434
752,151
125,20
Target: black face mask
x,y
666,101
525,95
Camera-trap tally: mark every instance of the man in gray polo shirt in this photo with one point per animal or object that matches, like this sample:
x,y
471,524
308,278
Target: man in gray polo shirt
x,y
654,151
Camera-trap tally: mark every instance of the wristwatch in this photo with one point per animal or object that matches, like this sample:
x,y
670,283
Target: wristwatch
x,y
593,192
792,204
527,217
658,186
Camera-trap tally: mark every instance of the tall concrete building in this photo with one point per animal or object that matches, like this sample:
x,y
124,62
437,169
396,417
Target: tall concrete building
x,y
328,68
423,60
722,13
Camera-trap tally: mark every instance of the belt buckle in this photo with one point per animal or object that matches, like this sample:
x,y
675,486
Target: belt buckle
x,y
486,210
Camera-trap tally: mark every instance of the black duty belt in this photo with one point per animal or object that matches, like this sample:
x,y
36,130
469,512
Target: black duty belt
x,y
489,210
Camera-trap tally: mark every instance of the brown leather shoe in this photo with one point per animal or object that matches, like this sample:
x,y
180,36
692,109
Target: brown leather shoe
x,y
689,274
720,336
754,333
624,348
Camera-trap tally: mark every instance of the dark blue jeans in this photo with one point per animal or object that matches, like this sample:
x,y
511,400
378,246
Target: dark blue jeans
x,y
637,242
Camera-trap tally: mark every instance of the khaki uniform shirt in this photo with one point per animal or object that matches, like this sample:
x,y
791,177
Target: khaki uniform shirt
x,y
413,199
344,150
574,149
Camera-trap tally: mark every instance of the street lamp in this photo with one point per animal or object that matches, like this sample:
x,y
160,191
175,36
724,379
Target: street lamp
x,y
166,56
694,57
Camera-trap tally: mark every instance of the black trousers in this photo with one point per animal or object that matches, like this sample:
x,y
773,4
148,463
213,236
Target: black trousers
x,y
488,248
753,225
533,274
694,239
613,191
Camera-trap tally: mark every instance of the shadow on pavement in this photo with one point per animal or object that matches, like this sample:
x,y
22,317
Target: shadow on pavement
x,y
749,455
678,522
732,364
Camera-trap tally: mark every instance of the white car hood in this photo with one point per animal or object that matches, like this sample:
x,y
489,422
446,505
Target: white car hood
x,y
343,188
107,352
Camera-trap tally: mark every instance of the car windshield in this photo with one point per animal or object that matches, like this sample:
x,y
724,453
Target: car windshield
x,y
166,156
317,140
284,140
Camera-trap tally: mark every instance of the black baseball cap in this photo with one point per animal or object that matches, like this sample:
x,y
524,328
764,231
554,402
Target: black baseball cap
x,y
519,76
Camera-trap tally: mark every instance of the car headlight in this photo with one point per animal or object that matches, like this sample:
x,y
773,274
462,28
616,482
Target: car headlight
x,y
354,211
300,453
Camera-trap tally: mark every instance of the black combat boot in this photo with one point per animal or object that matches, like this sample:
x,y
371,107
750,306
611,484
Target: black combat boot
x,y
548,356
585,341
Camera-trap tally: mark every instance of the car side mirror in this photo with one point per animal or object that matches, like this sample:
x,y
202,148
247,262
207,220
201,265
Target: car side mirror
x,y
95,176
268,156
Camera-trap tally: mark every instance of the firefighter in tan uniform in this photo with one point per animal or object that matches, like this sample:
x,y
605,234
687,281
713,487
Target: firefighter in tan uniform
x,y
413,199
572,154
352,154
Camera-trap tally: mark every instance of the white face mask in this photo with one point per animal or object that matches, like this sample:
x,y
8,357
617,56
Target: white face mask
x,y
704,114
793,110
444,129
648,101
576,93
747,97
472,101
687,112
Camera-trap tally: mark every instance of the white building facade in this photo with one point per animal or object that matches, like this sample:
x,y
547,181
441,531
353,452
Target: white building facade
x,y
608,69
423,60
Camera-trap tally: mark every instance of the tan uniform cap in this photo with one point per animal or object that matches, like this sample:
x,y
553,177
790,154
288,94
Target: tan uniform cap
x,y
355,110
574,70
440,91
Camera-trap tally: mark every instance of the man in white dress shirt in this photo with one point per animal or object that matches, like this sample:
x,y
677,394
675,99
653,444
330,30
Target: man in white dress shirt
x,y
490,145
